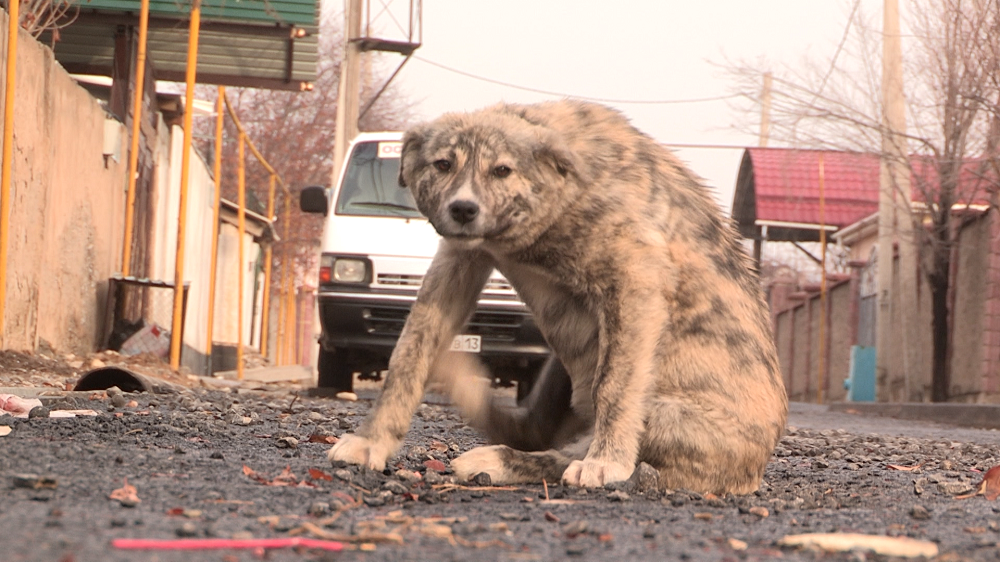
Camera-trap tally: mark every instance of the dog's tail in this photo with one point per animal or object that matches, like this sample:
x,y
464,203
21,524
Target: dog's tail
x,y
543,420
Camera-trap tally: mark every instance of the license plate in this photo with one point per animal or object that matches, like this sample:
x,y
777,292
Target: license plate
x,y
468,344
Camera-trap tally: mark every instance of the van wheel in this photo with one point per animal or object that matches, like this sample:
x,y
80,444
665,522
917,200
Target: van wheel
x,y
333,373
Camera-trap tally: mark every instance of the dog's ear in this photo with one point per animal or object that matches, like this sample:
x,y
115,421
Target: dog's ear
x,y
409,157
552,150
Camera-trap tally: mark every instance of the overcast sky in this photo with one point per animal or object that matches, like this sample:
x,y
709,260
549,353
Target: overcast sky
x,y
645,50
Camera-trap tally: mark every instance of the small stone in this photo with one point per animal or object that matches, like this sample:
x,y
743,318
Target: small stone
x,y
287,443
482,479
113,391
118,522
737,545
343,474
619,496
315,417
216,455
432,477
408,475
187,530
374,501
575,528
434,464
510,517
953,488
705,516
575,550
549,516
644,479
38,412
119,400
819,463
96,363
395,486
761,512
920,513
649,532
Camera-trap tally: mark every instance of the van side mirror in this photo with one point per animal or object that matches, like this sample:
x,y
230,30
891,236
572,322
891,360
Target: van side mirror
x,y
313,199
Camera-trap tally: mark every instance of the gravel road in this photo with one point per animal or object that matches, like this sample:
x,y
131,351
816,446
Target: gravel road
x,y
208,463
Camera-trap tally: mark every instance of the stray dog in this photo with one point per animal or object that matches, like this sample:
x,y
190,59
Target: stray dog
x,y
635,279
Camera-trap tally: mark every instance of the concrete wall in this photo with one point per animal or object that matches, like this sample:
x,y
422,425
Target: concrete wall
x,y
67,220
67,207
797,335
967,319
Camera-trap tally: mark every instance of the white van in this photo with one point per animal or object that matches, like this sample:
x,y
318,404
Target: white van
x,y
376,249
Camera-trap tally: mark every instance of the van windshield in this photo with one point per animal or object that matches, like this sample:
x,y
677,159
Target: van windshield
x,y
371,186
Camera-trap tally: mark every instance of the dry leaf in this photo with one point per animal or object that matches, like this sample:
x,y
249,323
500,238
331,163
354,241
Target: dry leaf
x,y
989,487
317,474
317,438
438,446
991,483
844,542
4,430
126,494
905,468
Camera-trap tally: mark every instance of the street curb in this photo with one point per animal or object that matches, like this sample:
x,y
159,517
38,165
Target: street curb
x,y
982,416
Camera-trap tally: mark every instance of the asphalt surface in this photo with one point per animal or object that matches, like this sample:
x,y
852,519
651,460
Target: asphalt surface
x,y
204,464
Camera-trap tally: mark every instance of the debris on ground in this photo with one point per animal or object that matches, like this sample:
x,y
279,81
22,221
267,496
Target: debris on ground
x,y
989,487
904,547
17,406
127,495
35,482
217,544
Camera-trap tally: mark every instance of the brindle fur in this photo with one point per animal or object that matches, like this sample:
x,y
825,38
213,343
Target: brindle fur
x,y
638,283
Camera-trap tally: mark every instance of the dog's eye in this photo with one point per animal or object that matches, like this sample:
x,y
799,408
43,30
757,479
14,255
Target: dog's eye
x,y
501,171
442,165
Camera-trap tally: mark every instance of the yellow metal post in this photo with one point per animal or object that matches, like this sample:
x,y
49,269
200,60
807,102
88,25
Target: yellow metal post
x,y
133,157
8,153
217,173
241,219
287,284
265,313
192,64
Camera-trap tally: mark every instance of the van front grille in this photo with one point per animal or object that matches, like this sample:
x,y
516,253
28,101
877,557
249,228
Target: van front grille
x,y
492,326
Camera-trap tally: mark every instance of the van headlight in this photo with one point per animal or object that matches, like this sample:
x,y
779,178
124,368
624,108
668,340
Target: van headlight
x,y
333,269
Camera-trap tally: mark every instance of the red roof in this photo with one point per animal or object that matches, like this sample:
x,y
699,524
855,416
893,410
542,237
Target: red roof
x,y
781,185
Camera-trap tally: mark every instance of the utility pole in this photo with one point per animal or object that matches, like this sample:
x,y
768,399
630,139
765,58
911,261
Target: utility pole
x,y
765,132
348,97
895,222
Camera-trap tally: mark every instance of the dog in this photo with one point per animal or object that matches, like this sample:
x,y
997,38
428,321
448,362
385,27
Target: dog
x,y
638,283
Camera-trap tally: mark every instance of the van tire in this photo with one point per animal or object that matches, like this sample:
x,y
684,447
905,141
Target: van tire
x,y
334,374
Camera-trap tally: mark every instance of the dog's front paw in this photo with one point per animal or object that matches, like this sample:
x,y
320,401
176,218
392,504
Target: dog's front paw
x,y
481,459
591,473
355,449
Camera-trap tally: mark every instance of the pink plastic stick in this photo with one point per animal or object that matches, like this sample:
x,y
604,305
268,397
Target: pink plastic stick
x,y
213,544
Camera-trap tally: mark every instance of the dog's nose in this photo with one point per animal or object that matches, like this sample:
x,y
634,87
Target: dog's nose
x,y
463,212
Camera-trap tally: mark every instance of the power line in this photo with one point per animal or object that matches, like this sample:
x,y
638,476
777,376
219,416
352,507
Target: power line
x,y
565,95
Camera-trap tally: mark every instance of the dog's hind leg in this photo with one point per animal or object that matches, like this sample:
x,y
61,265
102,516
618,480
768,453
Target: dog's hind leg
x,y
543,420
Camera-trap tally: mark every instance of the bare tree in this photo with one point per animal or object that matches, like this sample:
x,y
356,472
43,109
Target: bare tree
x,y
39,16
953,88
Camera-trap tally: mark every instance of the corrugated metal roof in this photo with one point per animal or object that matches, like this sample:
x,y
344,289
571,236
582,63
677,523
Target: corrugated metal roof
x,y
257,52
284,12
781,185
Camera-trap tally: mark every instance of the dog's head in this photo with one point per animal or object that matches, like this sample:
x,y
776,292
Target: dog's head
x,y
488,177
